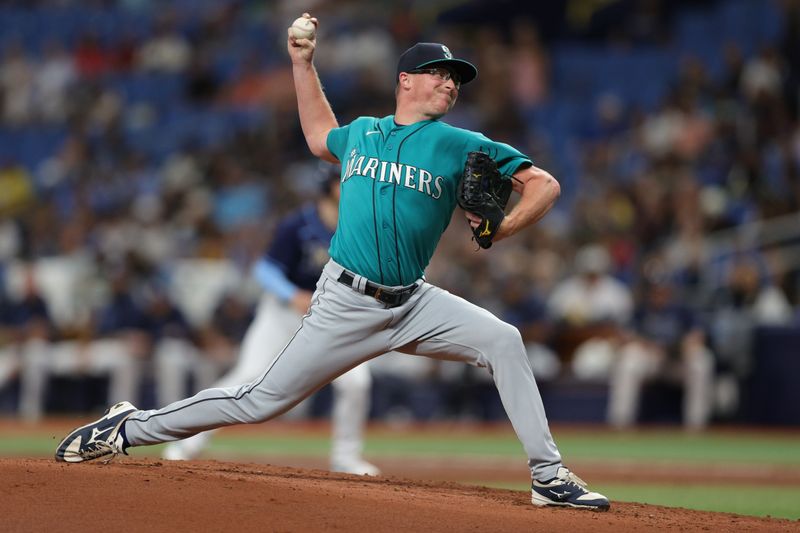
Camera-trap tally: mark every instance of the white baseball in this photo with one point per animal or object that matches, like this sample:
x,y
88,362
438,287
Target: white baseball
x,y
303,28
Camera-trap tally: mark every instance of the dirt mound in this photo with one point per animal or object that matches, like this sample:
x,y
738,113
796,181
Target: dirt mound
x,y
138,495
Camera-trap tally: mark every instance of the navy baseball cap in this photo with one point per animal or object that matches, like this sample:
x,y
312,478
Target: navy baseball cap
x,y
431,55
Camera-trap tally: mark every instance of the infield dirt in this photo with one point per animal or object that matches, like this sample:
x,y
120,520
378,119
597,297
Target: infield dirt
x,y
133,495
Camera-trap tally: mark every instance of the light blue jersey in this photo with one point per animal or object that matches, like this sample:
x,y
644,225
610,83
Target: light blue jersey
x,y
399,191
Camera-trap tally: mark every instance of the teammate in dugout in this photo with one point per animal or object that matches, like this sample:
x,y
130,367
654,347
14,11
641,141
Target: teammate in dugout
x,y
400,177
288,273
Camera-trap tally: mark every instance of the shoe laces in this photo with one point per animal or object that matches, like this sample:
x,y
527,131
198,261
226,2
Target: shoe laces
x,y
574,479
101,449
112,450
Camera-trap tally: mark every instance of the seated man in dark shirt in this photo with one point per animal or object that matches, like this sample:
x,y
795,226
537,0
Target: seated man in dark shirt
x,y
666,342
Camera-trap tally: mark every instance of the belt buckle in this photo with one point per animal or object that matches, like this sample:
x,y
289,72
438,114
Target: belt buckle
x,y
388,297
394,298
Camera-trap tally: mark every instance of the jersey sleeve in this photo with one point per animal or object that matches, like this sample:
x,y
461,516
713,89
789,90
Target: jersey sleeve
x,y
509,159
338,137
337,141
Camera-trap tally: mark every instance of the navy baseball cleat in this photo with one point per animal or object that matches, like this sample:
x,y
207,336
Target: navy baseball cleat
x,y
567,490
98,439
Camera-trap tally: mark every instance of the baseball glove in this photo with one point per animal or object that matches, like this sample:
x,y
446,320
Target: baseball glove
x,y
483,192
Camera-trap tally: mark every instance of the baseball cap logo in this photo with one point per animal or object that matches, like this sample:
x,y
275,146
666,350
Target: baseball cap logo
x,y
446,52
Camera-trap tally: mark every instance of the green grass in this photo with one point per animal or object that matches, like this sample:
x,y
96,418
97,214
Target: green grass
x,y
755,500
676,446
661,446
436,445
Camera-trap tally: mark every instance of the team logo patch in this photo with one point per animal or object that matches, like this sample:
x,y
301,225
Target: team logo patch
x,y
446,52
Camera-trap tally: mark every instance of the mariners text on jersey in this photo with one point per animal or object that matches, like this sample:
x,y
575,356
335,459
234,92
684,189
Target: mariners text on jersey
x,y
398,173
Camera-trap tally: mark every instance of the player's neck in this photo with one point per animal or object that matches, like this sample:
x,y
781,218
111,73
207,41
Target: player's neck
x,y
405,116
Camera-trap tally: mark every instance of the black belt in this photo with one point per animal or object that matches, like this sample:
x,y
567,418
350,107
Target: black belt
x,y
391,297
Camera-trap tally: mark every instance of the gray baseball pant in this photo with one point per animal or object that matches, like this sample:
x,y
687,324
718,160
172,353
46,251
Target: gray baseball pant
x,y
343,329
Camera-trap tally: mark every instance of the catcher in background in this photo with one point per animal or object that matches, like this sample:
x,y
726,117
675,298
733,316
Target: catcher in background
x,y
399,187
288,273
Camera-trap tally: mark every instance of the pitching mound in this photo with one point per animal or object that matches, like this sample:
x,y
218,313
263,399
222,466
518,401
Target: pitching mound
x,y
145,495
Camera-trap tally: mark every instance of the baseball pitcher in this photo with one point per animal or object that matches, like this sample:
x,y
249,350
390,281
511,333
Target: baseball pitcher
x,y
400,183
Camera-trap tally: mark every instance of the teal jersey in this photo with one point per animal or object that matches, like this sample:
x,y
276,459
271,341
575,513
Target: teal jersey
x,y
398,192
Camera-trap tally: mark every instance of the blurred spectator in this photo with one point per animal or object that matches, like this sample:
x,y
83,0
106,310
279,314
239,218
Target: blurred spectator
x,y
17,187
761,76
531,65
176,357
123,52
667,342
685,252
10,242
66,273
241,199
498,112
9,357
17,75
25,330
181,172
527,311
202,83
166,50
681,129
91,57
221,338
155,239
591,310
109,346
251,86
745,300
54,79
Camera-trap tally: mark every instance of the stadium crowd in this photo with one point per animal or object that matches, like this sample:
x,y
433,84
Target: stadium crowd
x,y
147,150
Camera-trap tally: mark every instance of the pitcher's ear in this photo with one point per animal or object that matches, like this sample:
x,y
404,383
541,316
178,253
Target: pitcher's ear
x,y
404,79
